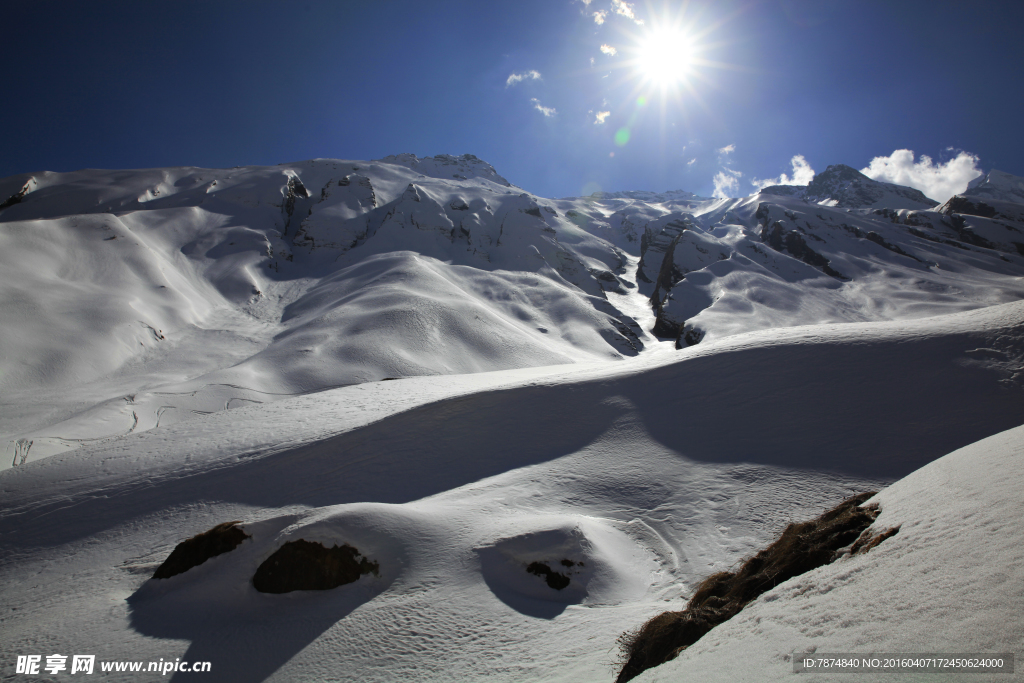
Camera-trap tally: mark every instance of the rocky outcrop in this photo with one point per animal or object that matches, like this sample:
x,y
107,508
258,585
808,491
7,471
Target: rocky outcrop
x,y
782,238
15,198
969,206
194,551
293,191
308,566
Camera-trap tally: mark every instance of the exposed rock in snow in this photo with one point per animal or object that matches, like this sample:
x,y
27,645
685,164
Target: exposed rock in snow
x,y
194,551
302,565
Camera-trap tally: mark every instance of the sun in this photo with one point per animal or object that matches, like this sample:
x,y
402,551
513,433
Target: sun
x,y
665,57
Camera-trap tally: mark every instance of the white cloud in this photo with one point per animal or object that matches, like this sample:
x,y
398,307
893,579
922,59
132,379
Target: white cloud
x,y
599,16
547,111
802,175
727,183
600,117
937,181
591,61
525,76
727,149
626,9
608,50
692,161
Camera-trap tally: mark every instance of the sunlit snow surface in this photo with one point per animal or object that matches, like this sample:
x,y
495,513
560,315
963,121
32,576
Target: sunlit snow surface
x,y
502,443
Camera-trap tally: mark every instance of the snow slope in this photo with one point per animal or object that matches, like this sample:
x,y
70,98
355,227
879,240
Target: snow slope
x,y
950,581
460,379
113,279
654,472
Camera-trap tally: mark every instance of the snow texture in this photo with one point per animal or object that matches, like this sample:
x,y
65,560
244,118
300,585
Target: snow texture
x,y
478,389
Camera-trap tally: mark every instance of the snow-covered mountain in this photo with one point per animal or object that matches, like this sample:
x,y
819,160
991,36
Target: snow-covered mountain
x,y
628,390
295,278
847,188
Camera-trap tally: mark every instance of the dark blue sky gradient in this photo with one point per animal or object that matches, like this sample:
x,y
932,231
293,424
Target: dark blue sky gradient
x,y
141,84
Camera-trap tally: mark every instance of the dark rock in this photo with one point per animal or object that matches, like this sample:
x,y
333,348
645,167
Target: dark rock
x,y
960,204
880,241
966,234
665,327
690,336
780,239
296,188
552,578
198,549
15,198
931,238
308,566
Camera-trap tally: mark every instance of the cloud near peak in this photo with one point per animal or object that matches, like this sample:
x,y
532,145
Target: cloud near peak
x,y
514,78
727,183
937,181
803,174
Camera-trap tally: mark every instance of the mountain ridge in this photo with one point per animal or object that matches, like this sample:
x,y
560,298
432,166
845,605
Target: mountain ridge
x,y
329,272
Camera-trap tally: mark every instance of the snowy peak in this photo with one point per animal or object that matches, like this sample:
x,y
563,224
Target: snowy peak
x,y
845,187
446,166
997,185
650,197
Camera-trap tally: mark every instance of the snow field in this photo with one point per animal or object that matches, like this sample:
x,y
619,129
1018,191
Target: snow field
x,y
651,486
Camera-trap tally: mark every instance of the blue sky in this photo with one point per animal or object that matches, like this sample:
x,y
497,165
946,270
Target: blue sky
x,y
140,84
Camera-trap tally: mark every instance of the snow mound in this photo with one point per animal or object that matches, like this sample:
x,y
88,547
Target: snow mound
x,y
581,560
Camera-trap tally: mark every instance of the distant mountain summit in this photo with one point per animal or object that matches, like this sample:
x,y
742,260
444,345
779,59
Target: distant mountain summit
x,y
996,196
997,185
845,187
445,166
647,196
176,292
